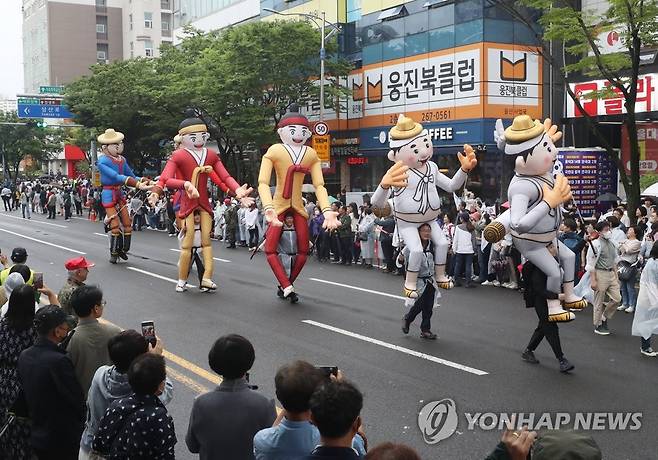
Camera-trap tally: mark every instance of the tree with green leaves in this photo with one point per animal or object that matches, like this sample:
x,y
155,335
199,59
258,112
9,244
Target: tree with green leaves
x,y
20,142
577,31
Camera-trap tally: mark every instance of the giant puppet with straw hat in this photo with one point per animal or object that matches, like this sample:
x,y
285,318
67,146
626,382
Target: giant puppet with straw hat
x,y
115,173
188,169
534,216
412,184
291,161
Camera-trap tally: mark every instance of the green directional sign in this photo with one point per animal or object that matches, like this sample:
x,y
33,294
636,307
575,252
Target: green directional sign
x,y
28,100
51,89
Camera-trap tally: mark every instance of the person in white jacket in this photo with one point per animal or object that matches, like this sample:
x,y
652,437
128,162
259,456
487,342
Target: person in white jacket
x,y
601,265
463,246
251,223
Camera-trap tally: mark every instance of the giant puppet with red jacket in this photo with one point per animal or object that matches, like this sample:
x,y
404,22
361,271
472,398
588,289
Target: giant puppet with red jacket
x,y
291,161
188,169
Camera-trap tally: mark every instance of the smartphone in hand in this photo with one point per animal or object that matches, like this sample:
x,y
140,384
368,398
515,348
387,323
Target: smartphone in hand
x,y
328,371
38,280
148,331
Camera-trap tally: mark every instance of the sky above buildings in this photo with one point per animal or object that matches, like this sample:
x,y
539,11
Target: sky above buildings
x,y
11,49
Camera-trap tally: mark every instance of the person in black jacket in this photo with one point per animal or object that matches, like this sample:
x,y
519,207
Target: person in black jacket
x,y
386,240
536,297
55,401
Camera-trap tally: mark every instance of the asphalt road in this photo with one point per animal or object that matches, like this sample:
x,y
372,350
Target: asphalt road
x,y
350,317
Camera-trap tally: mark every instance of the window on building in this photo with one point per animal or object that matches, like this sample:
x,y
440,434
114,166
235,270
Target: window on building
x,y
165,4
436,3
101,56
148,20
100,28
102,53
165,26
130,21
148,48
353,10
392,13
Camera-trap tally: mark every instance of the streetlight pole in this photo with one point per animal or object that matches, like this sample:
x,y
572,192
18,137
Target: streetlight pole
x,y
323,53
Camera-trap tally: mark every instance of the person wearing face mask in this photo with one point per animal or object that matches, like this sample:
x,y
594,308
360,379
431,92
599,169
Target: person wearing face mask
x,y
55,400
604,281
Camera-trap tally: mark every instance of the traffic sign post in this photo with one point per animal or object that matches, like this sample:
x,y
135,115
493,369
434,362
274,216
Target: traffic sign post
x,y
51,89
321,144
321,128
40,110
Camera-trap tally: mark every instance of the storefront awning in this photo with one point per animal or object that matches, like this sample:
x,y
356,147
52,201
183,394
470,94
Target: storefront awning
x,y
73,153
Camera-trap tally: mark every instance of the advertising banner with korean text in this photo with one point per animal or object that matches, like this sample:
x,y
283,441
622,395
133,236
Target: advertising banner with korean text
x,y
482,80
647,136
591,173
647,97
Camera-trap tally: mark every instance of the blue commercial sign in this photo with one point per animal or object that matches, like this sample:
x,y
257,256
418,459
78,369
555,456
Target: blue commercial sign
x,y
43,111
443,134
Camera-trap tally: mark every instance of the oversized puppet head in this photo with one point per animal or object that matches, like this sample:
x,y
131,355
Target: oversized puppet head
x,y
293,128
193,132
532,145
111,142
409,143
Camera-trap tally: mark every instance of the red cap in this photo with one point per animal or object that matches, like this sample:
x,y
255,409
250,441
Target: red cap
x,y
77,263
227,201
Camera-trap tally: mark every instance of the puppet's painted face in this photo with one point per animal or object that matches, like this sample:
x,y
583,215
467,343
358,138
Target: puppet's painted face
x,y
415,154
296,135
194,140
540,161
113,149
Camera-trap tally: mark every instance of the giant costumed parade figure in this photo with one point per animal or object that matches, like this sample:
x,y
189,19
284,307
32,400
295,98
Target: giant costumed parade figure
x,y
535,214
291,161
114,174
188,170
412,183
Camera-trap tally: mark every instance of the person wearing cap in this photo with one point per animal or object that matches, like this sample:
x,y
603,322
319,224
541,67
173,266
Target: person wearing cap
x,y
412,184
18,256
535,214
188,169
291,160
55,400
115,173
78,269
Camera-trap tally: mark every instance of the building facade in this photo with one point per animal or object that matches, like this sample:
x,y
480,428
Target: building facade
x,y
8,105
146,25
63,38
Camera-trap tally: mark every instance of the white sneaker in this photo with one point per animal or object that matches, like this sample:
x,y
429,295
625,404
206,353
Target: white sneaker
x,y
487,283
630,310
511,285
181,287
649,352
622,308
495,283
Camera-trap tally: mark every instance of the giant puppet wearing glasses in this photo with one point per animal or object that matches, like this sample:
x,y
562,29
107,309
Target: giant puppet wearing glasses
x,y
115,173
412,183
291,161
535,215
188,169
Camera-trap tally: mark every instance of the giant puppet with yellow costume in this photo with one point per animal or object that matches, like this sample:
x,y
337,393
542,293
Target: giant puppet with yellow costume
x,y
114,174
534,217
291,161
188,170
411,184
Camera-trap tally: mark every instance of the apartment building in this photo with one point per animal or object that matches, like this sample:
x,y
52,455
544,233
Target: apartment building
x,y
146,25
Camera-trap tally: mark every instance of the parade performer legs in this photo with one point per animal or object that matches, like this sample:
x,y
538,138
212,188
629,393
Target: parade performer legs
x,y
272,237
120,231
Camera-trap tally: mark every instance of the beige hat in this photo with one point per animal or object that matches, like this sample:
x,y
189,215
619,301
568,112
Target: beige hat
x,y
404,131
110,136
523,129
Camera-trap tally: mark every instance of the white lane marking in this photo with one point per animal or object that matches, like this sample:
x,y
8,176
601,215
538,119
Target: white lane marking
x,y
216,258
43,242
81,218
417,354
35,220
101,234
155,275
385,294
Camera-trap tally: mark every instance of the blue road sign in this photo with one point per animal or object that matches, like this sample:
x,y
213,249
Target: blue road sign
x,y
43,111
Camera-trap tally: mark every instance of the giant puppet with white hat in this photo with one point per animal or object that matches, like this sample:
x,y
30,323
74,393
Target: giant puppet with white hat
x,y
412,184
114,174
534,217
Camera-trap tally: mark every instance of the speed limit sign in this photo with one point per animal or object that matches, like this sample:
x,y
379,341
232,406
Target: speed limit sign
x,y
321,128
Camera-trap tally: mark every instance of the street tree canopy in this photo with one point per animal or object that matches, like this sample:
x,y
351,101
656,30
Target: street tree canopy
x,y
240,80
577,31
21,142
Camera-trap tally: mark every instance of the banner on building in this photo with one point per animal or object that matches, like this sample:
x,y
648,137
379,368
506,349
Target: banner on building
x,y
482,80
647,97
647,135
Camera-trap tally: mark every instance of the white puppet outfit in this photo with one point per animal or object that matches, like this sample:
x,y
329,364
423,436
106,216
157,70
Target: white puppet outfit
x,y
419,203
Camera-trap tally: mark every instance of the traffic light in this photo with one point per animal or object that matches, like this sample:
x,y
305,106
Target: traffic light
x,y
36,124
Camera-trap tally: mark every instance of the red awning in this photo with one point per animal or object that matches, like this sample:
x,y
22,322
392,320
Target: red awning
x,y
73,152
